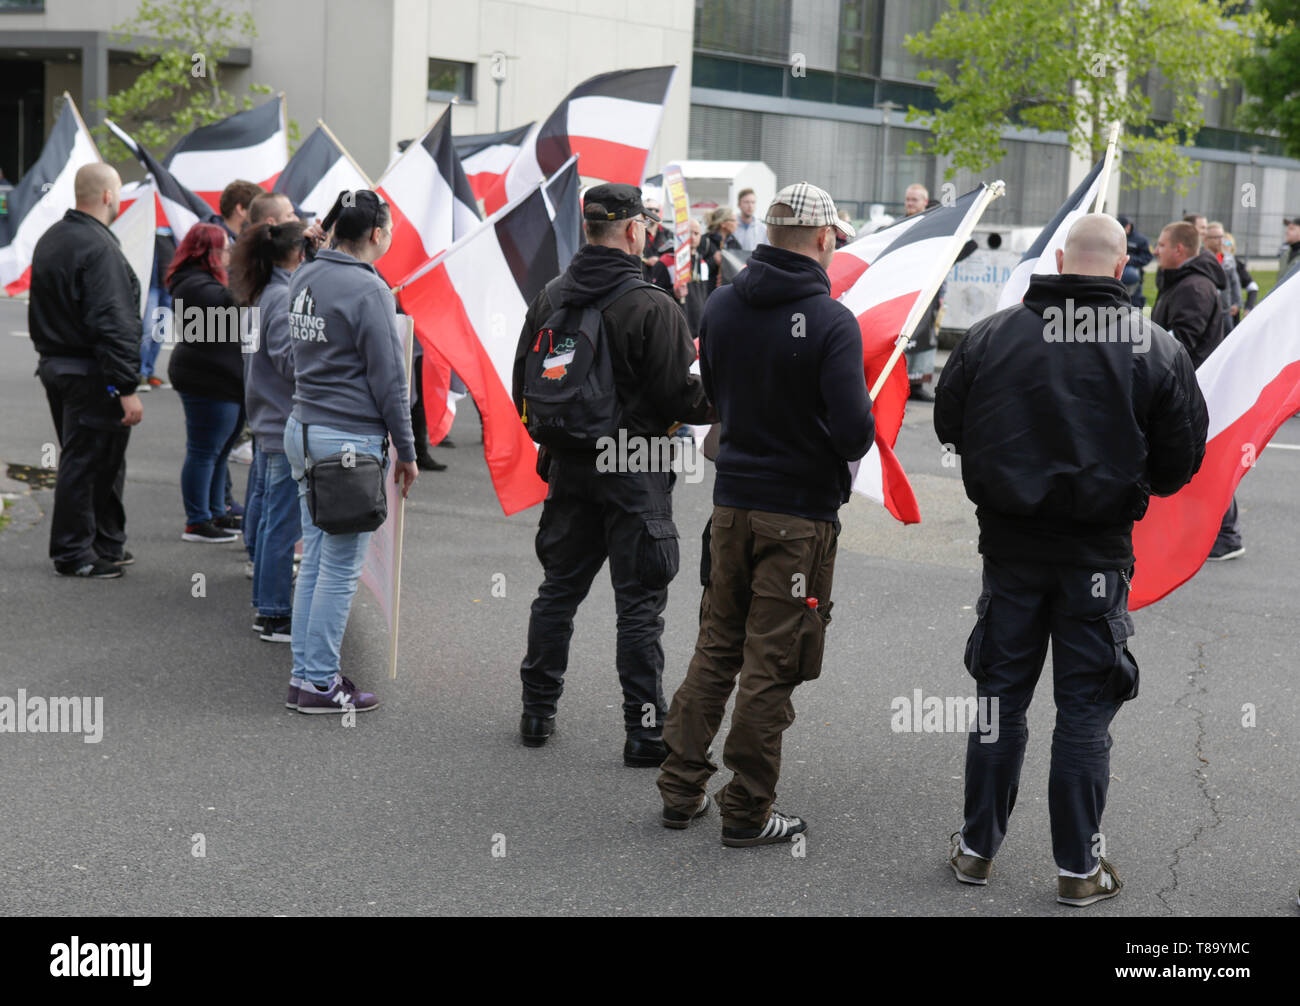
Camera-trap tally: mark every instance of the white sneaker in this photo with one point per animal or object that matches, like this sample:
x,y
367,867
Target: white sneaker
x,y
243,453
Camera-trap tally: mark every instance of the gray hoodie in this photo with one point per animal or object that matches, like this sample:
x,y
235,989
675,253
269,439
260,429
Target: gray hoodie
x,y
268,370
349,369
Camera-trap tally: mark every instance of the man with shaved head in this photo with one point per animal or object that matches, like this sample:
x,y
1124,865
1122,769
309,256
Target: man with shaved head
x,y
84,320
1068,410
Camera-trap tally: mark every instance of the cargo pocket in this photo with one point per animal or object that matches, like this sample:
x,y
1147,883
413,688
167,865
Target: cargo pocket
x,y
706,560
809,644
658,555
1122,678
974,658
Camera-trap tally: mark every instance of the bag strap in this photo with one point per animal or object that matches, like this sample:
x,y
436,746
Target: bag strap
x,y
306,460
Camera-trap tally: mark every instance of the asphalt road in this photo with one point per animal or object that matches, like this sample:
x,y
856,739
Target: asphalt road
x,y
401,812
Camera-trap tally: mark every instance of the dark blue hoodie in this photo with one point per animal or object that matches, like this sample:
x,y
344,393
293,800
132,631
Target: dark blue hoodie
x,y
782,364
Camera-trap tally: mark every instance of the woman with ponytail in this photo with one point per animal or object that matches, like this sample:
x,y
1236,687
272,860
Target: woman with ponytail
x,y
350,393
263,261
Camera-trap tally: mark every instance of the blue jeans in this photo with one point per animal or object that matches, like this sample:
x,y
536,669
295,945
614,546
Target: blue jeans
x,y
211,428
278,532
149,346
331,563
253,500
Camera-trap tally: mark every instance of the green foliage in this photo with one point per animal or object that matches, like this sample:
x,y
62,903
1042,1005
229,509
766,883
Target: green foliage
x,y
182,44
1067,65
1270,74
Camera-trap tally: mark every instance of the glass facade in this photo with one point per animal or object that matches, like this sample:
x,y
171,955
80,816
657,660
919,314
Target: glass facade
x,y
745,47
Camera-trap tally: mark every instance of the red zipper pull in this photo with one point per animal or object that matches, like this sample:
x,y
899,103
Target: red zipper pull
x,y
811,602
538,344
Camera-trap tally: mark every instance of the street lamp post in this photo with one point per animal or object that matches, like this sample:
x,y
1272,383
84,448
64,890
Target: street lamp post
x,y
1251,236
498,71
885,107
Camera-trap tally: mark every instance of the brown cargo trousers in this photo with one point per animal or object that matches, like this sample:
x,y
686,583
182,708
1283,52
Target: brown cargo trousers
x,y
756,620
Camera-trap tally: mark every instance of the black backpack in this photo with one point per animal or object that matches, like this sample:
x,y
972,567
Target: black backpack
x,y
569,397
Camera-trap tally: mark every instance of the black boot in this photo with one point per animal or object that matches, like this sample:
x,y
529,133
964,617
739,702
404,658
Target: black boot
x,y
644,752
425,463
536,730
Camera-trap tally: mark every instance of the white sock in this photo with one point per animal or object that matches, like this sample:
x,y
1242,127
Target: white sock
x,y
966,849
1081,876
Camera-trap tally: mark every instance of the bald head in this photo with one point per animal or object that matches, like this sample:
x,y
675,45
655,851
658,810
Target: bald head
x,y
98,189
1095,246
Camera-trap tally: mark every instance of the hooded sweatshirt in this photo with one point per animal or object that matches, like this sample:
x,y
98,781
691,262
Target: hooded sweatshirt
x,y
782,364
1188,305
1064,439
349,368
268,373
650,345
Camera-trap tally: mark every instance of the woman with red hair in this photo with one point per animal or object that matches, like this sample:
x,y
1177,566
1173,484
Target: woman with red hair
x,y
207,371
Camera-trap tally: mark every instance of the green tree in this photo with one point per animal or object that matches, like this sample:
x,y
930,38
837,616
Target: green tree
x,y
182,44
1076,67
1270,75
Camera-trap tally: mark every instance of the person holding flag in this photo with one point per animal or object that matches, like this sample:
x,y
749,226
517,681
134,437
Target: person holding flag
x,y
773,335
1068,410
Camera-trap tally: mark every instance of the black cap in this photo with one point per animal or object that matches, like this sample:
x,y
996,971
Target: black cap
x,y
613,201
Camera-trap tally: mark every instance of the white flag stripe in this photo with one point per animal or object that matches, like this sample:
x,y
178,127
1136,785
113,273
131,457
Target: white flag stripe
x,y
492,301
618,120
494,159
869,246
179,217
135,231
894,275
524,171
57,200
342,174
418,189
870,477
213,170
1253,355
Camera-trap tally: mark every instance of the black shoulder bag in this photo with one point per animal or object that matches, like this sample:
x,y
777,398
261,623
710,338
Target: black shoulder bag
x,y
345,491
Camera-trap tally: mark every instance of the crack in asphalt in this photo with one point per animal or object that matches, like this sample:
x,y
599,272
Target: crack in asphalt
x,y
1202,781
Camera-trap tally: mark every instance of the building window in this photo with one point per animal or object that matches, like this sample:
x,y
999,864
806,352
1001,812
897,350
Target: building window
x,y
857,43
757,28
449,79
910,17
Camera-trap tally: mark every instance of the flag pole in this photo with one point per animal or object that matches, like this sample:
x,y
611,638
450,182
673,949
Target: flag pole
x,y
330,133
399,526
1106,168
931,290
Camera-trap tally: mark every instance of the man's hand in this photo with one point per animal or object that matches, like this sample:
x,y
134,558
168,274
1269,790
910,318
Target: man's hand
x,y
1236,309
132,409
404,474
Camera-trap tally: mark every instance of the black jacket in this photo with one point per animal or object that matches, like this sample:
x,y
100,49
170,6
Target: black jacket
x,y
85,300
782,363
1139,250
1062,443
1188,306
650,346
206,358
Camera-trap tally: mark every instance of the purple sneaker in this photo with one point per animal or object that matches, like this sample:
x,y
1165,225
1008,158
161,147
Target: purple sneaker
x,y
295,684
344,695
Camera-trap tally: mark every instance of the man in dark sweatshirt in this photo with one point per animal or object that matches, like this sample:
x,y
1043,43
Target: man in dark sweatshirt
x,y
782,364
595,510
1068,410
1189,306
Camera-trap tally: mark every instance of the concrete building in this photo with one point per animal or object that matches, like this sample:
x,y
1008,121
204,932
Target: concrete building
x,y
833,125
377,71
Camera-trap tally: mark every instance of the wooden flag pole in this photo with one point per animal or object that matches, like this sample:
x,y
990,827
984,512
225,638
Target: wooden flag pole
x,y
931,289
361,171
1111,144
399,527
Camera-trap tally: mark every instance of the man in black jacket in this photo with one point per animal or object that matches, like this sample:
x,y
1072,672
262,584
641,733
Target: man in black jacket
x,y
782,363
595,511
84,320
1189,306
1068,411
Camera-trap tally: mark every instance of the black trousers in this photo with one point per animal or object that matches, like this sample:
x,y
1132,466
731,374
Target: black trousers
x,y
89,520
588,517
1084,612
